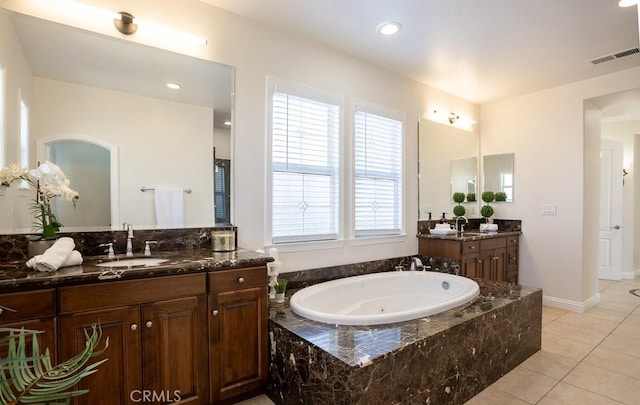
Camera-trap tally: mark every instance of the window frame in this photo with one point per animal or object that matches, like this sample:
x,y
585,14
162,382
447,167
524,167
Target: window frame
x,y
300,242
374,236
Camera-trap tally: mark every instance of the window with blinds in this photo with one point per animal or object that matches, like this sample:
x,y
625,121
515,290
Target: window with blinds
x,y
305,167
378,154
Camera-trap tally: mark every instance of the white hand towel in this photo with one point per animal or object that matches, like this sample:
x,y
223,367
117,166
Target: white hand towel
x,y
169,206
54,257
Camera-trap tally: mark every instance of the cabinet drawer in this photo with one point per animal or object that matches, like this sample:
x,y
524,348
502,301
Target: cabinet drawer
x,y
227,280
512,240
118,293
470,247
27,305
494,243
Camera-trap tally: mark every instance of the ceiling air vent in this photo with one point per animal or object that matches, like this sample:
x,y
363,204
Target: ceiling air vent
x,y
616,55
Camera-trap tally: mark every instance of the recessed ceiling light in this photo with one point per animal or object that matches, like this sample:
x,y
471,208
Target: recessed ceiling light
x,y
389,28
627,3
173,86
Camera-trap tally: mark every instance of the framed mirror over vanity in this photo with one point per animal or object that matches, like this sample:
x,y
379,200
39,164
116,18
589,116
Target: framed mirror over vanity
x,y
99,107
448,163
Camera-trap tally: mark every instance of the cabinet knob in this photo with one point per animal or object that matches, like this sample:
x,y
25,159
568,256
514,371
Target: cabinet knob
x,y
215,312
479,261
241,280
133,326
1,311
148,324
472,247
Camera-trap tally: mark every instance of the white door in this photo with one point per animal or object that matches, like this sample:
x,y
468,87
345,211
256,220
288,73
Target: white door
x,y
610,246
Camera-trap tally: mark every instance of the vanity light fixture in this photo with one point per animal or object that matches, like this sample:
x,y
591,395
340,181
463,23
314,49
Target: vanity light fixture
x,y
389,28
127,24
628,3
124,23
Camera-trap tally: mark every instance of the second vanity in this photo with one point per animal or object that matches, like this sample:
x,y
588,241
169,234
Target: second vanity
x,y
491,256
192,329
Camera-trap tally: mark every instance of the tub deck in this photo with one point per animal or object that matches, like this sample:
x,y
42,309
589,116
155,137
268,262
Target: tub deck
x,y
441,359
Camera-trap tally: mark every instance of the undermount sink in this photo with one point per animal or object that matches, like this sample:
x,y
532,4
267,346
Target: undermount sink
x,y
140,261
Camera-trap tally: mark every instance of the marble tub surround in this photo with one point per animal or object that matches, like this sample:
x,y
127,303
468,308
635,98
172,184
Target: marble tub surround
x,y
14,247
15,276
442,359
504,225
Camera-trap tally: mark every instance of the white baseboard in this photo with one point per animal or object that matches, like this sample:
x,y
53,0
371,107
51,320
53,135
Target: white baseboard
x,y
629,275
569,305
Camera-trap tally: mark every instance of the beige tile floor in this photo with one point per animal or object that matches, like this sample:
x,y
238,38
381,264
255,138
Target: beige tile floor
x,y
587,359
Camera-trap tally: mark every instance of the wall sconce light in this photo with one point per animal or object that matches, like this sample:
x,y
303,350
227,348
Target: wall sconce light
x,y
124,23
76,13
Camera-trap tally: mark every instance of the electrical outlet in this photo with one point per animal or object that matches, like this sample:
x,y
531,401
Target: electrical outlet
x,y
548,209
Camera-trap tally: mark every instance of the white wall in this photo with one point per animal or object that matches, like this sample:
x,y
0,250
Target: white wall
x,y
554,164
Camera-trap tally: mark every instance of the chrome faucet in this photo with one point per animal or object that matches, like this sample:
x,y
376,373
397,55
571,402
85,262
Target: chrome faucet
x,y
416,264
129,228
465,220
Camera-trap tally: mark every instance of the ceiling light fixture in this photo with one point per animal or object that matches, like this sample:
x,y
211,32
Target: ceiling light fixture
x,y
628,3
174,86
389,28
227,123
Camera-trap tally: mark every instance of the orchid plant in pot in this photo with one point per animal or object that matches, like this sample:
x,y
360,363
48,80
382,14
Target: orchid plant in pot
x,y
49,182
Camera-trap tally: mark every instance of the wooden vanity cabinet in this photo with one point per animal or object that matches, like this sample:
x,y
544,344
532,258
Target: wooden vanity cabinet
x,y
493,258
238,316
157,338
33,310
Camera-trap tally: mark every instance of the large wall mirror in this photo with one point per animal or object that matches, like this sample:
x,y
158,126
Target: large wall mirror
x,y
448,163
498,174
99,107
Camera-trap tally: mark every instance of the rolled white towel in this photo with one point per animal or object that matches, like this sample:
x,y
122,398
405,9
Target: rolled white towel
x,y
74,259
54,257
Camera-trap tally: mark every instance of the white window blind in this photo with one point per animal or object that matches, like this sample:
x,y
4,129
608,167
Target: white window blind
x,y
378,174
305,168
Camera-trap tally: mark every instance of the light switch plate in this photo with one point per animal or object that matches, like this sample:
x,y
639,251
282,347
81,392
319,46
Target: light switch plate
x,y
548,209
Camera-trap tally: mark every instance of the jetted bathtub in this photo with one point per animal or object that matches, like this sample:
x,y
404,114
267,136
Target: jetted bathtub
x,y
380,298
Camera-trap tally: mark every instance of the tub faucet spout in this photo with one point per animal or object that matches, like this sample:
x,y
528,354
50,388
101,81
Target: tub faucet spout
x,y
416,264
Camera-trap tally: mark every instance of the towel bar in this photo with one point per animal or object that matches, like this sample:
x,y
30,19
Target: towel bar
x,y
143,189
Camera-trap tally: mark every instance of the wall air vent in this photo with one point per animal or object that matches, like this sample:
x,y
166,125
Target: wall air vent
x,y
616,55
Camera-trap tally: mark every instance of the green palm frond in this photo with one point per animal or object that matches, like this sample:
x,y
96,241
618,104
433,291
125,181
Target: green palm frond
x,y
30,378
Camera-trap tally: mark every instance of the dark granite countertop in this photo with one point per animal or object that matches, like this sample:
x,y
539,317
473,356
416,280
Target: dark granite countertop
x,y
16,276
470,235
357,344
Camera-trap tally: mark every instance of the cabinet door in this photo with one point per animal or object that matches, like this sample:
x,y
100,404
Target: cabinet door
x,y
120,376
238,335
471,265
46,339
486,265
500,264
174,345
